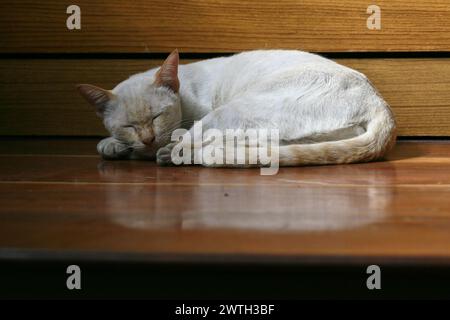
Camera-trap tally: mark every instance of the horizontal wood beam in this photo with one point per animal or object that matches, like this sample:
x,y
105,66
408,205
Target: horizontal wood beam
x,y
224,26
38,97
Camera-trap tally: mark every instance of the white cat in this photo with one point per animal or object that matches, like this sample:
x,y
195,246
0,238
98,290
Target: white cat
x,y
326,113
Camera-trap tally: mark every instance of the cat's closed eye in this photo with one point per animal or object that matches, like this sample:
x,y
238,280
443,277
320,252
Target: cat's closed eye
x,y
157,115
129,128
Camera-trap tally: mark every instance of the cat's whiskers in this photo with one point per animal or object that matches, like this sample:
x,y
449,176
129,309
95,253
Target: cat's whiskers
x,y
168,131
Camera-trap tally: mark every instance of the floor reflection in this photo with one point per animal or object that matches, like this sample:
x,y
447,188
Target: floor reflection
x,y
298,199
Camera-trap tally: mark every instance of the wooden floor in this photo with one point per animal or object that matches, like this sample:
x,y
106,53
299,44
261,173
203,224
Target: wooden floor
x,y
59,199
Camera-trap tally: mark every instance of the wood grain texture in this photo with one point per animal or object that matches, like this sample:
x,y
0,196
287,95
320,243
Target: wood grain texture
x,y
224,26
38,97
387,210
79,146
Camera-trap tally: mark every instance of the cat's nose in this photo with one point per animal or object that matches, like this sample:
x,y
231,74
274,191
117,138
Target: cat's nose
x,y
148,141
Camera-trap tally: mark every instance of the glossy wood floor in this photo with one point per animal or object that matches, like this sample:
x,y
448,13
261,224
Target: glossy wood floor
x,y
59,199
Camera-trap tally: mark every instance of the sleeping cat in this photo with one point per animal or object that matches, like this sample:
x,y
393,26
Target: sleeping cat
x,y
325,113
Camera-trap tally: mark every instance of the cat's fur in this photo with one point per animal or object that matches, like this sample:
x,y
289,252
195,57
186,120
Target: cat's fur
x,y
326,113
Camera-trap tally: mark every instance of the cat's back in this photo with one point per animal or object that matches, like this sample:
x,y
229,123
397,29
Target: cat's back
x,y
268,62
262,69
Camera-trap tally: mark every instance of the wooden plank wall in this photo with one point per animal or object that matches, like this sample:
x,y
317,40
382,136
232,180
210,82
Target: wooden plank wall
x,y
41,60
224,25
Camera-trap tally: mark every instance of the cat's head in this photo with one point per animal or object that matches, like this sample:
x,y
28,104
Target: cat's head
x,y
143,110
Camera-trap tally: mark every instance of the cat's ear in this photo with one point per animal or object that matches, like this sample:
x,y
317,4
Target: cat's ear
x,y
97,97
167,75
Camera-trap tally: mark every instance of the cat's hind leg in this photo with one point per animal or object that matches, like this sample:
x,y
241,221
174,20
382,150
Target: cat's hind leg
x,y
193,138
208,142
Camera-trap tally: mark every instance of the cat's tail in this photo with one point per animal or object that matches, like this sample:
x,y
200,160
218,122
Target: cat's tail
x,y
378,138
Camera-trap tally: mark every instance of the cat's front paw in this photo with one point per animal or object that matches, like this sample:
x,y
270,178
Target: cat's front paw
x,y
164,155
111,148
